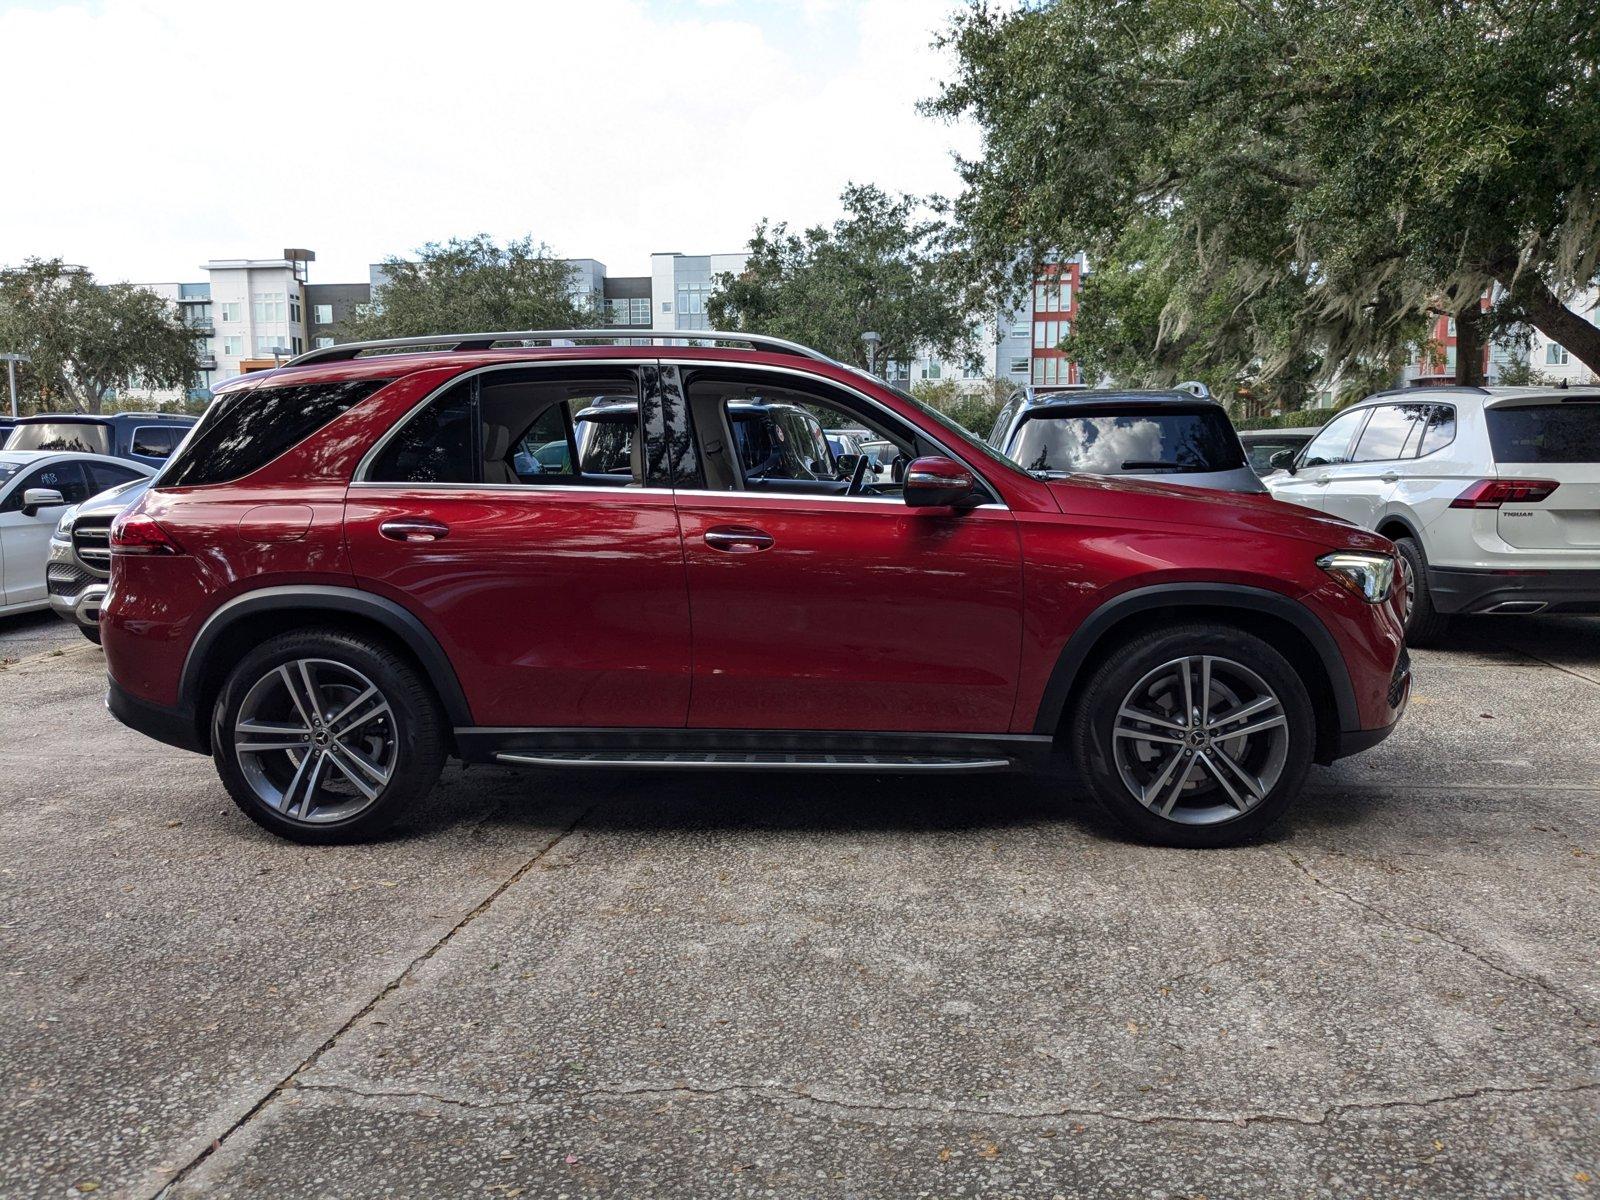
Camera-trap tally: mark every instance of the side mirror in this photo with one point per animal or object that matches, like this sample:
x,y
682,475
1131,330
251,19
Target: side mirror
x,y
36,498
1282,460
937,482
847,463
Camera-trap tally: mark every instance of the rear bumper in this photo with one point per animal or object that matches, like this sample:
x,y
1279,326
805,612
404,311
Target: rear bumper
x,y
174,726
1507,592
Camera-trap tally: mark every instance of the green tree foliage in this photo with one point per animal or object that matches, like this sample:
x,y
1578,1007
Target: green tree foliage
x,y
86,339
1283,192
876,268
974,408
471,285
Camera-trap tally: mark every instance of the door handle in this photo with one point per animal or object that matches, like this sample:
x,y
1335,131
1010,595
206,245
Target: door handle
x,y
1321,481
738,539
1391,477
413,529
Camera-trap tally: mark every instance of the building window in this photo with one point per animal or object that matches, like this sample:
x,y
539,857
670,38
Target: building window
x,y
639,310
322,342
666,306
1020,329
294,309
233,311
932,369
1049,296
692,298
1555,355
266,343
1019,366
233,347
322,314
270,307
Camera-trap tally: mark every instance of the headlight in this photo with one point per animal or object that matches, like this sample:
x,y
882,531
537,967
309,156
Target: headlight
x,y
1367,575
64,526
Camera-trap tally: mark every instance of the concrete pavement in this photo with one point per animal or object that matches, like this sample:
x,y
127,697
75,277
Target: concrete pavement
x,y
628,985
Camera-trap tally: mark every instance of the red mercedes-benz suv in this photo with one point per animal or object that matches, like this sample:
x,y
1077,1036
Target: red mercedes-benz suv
x,y
646,555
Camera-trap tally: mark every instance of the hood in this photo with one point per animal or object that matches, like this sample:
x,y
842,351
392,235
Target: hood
x,y
1139,501
116,499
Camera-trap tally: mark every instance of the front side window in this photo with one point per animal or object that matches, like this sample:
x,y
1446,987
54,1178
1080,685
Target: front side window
x,y
1332,445
66,478
518,428
248,427
1168,440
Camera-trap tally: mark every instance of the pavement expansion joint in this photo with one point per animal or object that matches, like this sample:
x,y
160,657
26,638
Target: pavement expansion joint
x,y
1384,915
288,1082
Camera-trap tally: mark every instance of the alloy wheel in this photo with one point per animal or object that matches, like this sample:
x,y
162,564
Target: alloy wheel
x,y
1200,740
316,740
1408,581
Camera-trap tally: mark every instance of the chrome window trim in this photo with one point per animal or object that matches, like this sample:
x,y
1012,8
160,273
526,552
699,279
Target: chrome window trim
x,y
518,488
359,479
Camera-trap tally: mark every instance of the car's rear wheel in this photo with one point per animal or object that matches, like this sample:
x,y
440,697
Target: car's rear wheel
x,y
92,632
1195,736
326,736
1424,624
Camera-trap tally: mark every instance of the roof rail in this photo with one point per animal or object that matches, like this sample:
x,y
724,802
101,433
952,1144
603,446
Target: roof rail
x,y
456,342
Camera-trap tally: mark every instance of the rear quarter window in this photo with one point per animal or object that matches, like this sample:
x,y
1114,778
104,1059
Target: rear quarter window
x,y
244,430
1565,432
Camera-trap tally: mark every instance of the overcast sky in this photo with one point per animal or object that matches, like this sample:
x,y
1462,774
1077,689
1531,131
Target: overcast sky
x,y
142,137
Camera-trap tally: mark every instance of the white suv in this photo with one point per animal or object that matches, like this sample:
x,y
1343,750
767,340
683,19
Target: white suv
x,y
1491,495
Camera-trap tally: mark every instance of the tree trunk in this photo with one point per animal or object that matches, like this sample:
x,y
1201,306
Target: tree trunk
x,y
1550,317
1469,344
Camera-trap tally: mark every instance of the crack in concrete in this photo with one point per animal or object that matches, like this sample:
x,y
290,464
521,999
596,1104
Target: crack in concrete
x,y
929,1107
288,1082
1389,918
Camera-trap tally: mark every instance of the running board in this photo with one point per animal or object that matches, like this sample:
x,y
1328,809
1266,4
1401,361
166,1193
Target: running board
x,y
655,760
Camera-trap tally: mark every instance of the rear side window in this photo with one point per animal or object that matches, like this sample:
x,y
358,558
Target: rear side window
x,y
81,436
1392,428
103,475
156,441
1171,440
246,429
1440,430
1567,432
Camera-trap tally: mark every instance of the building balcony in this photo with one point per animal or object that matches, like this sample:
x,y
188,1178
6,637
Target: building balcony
x,y
205,330
206,362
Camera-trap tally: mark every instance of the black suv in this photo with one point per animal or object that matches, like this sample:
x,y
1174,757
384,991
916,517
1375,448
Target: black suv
x,y
148,438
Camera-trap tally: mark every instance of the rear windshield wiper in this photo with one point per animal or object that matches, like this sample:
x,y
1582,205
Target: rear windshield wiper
x,y
1136,464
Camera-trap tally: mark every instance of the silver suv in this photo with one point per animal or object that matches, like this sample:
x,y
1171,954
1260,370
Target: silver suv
x,y
79,565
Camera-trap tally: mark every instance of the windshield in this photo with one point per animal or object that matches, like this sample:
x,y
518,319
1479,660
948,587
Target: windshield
x,y
9,468
1168,440
61,435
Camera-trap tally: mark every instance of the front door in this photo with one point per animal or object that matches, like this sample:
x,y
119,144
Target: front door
x,y
511,515
25,535
1308,484
1360,489
821,601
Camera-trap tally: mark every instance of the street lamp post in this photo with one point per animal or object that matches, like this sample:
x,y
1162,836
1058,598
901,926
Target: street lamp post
x,y
873,341
11,376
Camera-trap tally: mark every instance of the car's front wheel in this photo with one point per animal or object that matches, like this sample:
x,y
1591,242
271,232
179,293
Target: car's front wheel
x,y
1195,736
326,736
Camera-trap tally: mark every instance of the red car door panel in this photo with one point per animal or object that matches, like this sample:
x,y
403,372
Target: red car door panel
x,y
850,614
559,606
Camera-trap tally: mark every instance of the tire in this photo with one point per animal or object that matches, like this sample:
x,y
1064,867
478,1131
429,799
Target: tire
x,y
365,761
92,632
1425,625
1207,803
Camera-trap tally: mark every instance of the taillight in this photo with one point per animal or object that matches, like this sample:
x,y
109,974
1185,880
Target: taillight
x,y
1492,493
135,533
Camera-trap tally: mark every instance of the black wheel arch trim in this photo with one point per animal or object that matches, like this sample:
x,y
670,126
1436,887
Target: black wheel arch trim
x,y
393,617
1058,690
1411,530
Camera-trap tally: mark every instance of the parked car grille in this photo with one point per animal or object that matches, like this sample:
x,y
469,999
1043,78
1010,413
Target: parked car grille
x,y
1397,681
91,542
67,579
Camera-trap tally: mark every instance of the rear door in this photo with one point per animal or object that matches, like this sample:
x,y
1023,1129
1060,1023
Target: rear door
x,y
1556,438
555,585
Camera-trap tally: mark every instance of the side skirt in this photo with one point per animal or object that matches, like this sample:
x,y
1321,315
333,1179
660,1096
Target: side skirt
x,y
752,750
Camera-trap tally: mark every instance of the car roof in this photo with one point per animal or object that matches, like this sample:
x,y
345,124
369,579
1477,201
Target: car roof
x,y
1293,431
121,418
